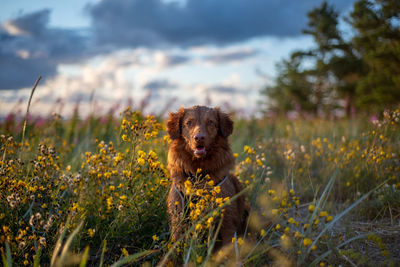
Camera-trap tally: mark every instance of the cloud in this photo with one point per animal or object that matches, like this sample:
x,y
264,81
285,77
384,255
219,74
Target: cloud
x,y
29,48
124,23
156,85
168,60
231,55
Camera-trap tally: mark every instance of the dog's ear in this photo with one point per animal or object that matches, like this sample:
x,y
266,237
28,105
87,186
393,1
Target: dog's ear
x,y
225,127
174,124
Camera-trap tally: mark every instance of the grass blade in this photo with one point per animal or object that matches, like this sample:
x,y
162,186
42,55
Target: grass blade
x,y
102,253
7,260
27,108
323,256
68,244
37,257
84,257
338,217
134,257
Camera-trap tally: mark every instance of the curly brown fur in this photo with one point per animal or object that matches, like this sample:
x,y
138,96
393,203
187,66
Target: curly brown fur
x,y
200,140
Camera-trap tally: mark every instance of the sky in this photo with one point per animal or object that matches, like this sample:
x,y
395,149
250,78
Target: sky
x,y
152,54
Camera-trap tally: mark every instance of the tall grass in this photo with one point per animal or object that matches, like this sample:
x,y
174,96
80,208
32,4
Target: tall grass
x,y
92,192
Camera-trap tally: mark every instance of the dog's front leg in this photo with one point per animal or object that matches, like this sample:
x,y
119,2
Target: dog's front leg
x,y
175,210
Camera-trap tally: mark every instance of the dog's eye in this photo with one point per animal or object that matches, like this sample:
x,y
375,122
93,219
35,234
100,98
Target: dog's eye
x,y
189,123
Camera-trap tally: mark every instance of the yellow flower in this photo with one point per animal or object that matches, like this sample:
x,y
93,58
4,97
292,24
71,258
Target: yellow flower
x,y
275,211
112,188
248,160
262,232
240,241
291,220
235,155
141,161
217,189
210,183
125,252
307,242
329,218
311,208
91,232
199,259
155,238
271,192
278,226
199,192
323,214
198,227
259,162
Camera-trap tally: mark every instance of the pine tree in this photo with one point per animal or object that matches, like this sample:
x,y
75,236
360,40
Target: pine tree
x,y
378,42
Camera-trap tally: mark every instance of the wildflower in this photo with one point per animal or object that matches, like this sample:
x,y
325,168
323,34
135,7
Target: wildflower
x,y
275,211
235,155
311,208
329,218
199,192
271,192
124,252
210,183
262,232
217,189
291,220
141,161
155,238
307,242
198,227
240,241
323,214
91,232
199,259
278,226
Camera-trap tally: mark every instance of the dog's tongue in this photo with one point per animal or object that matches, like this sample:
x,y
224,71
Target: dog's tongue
x,y
200,150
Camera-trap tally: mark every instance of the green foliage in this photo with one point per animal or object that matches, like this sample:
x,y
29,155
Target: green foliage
x,y
359,73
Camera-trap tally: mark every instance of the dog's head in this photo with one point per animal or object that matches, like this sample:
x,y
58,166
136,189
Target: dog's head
x,y
199,127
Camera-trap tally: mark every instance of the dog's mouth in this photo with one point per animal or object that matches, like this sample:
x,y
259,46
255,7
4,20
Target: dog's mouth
x,y
200,150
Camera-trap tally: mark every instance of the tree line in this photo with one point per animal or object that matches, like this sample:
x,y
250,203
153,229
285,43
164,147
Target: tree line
x,y
357,70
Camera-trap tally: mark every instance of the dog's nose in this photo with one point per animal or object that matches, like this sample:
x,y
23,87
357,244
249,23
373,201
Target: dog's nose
x,y
199,137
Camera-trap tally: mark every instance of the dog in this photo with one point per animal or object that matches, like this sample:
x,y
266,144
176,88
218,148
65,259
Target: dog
x,y
199,140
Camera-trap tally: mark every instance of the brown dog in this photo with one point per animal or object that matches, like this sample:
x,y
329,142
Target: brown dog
x,y
200,141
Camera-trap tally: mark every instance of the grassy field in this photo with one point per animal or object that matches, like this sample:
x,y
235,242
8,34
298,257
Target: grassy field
x,y
91,191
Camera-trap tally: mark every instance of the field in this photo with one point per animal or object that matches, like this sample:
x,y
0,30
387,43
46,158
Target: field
x,y
91,191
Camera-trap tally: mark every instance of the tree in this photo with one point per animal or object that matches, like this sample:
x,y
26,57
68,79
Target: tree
x,y
291,91
378,42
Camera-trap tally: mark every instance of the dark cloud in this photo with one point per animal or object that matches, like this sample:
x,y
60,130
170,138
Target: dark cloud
x,y
223,89
154,22
229,56
29,48
157,85
173,60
